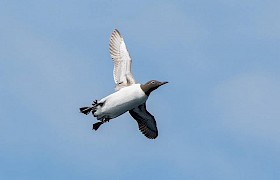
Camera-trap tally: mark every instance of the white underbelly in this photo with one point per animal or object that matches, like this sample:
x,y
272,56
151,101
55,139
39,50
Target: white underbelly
x,y
121,101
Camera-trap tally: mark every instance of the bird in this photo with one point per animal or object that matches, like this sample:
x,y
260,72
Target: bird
x,y
128,96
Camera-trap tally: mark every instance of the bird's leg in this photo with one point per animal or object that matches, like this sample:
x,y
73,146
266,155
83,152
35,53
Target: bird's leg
x,y
94,102
106,120
98,124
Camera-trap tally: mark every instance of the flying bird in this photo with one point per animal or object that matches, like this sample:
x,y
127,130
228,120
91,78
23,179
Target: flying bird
x,y
129,96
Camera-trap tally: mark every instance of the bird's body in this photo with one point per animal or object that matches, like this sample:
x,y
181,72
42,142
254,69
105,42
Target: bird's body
x,y
129,96
120,102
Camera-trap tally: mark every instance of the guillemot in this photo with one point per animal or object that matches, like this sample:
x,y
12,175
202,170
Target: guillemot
x,y
129,96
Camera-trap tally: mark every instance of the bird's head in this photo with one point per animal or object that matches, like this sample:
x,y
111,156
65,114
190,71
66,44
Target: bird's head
x,y
151,85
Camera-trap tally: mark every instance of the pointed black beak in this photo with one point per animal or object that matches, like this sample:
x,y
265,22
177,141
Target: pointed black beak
x,y
165,82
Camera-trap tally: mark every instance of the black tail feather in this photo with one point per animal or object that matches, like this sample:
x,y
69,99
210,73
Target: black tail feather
x,y
85,110
96,125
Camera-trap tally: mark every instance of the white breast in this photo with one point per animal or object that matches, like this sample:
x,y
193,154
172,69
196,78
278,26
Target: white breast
x,y
121,101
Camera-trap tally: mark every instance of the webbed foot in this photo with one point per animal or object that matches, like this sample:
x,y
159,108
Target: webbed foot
x,y
96,125
85,110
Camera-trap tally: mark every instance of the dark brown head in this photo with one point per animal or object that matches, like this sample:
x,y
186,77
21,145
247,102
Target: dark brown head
x,y
151,85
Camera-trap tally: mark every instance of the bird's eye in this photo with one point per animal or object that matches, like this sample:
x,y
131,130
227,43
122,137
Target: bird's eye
x,y
153,82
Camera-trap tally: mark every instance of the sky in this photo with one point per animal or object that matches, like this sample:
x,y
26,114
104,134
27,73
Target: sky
x,y
218,118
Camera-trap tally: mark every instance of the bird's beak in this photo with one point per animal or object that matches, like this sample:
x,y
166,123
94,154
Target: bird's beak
x,y
165,82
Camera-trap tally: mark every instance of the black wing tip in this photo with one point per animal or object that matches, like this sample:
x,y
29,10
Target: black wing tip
x,y
116,31
151,136
149,133
116,35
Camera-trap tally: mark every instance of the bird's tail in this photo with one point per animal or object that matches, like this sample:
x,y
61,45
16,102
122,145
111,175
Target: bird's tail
x,y
85,110
96,125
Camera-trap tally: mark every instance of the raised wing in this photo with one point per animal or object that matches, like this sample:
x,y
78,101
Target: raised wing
x,y
122,61
146,122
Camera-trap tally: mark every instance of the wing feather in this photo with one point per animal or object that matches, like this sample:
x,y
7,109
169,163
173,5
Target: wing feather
x,y
146,122
122,61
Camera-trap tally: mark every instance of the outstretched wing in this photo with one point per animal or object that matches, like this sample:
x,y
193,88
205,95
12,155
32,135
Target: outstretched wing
x,y
146,122
122,61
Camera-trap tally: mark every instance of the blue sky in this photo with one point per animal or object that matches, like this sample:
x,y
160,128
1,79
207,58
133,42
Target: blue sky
x,y
218,118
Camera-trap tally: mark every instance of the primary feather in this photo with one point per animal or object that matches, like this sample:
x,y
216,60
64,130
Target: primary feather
x,y
122,61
